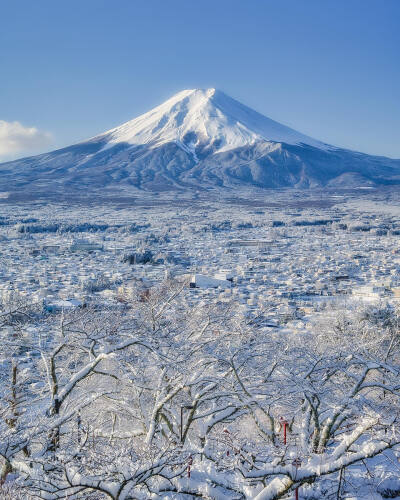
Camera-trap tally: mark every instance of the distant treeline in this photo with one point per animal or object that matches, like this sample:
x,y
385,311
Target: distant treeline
x,y
77,228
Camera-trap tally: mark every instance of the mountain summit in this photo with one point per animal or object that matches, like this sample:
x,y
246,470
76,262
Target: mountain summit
x,y
196,117
196,140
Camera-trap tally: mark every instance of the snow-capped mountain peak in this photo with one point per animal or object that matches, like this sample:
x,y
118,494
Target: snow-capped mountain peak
x,y
197,140
200,116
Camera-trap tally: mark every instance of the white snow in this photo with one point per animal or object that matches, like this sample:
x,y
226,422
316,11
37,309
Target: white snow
x,y
202,281
212,116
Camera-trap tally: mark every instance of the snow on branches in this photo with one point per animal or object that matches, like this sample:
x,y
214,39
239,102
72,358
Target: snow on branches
x,y
161,399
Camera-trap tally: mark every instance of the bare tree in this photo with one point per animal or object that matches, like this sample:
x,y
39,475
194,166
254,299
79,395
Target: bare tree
x,y
159,397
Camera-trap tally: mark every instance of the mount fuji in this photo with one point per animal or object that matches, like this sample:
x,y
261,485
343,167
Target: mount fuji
x,y
197,140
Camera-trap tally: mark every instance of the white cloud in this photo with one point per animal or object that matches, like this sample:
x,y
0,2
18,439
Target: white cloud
x,y
16,139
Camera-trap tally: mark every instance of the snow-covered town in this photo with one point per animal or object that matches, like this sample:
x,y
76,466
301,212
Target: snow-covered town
x,y
288,262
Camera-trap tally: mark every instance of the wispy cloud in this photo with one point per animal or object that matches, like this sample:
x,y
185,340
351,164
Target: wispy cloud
x,y
16,140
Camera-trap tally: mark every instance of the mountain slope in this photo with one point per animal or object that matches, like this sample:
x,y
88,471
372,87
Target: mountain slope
x,y
198,139
194,117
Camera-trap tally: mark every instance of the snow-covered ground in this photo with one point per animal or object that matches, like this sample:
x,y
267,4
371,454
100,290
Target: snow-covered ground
x,y
311,305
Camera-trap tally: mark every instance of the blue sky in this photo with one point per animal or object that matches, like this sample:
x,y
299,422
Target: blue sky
x,y
72,69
